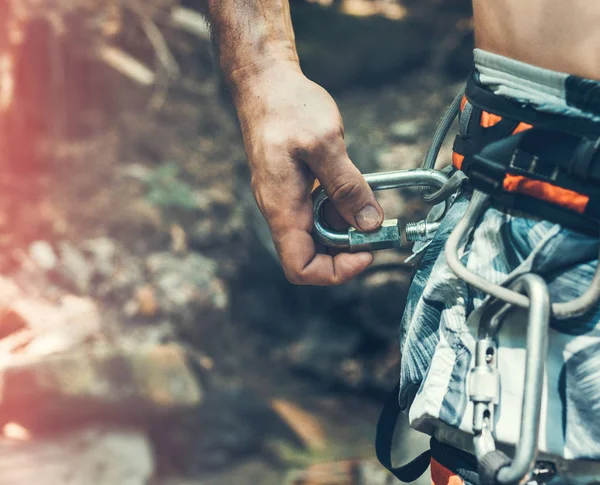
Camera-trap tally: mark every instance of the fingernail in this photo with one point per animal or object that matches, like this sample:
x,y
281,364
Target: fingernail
x,y
368,218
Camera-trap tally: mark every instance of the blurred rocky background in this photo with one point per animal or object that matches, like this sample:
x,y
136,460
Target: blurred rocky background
x,y
147,335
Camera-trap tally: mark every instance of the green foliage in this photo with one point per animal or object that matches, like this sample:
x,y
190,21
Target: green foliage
x,y
167,191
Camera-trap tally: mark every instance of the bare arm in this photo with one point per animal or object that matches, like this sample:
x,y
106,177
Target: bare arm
x,y
292,132
250,34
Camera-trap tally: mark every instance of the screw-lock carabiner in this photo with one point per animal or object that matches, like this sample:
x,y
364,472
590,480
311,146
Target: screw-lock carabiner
x,y
388,236
484,385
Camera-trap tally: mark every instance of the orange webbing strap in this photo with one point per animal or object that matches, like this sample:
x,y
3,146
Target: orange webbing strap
x,y
522,126
440,475
546,191
488,119
457,160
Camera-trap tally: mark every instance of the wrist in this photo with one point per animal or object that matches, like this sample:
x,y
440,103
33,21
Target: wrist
x,y
244,80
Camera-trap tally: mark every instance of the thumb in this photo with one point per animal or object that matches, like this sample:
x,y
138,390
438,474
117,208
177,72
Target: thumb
x,y
347,189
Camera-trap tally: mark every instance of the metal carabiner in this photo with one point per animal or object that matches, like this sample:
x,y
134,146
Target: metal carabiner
x,y
484,385
388,236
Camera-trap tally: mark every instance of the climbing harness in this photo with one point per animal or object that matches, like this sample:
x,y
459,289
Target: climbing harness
x,y
513,157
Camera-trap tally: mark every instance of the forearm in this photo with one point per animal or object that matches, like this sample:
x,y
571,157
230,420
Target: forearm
x,y
250,35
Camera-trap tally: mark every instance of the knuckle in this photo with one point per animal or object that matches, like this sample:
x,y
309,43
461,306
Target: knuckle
x,y
265,199
331,135
294,277
274,138
307,144
335,280
343,189
318,140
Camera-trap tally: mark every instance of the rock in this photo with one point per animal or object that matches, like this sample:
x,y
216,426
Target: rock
x,y
360,8
179,243
371,472
103,253
135,171
230,425
42,254
90,456
381,306
101,382
323,346
407,131
203,233
401,156
255,472
58,327
187,287
147,305
346,472
74,268
128,274
211,231
9,291
306,426
116,274
35,326
9,321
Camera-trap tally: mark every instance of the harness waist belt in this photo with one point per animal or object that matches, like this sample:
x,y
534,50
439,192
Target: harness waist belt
x,y
538,163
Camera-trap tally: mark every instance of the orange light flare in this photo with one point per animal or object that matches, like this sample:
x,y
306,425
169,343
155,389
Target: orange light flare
x,y
22,124
16,432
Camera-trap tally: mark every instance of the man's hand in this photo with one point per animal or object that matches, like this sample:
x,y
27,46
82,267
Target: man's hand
x,y
293,132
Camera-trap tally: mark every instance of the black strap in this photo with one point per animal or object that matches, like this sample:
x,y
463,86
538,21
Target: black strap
x,y
482,98
489,466
584,156
384,440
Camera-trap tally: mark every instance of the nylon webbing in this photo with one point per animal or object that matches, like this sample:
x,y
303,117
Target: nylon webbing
x,y
384,442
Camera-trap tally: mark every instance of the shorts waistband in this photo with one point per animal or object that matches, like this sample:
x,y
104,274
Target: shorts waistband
x,y
544,89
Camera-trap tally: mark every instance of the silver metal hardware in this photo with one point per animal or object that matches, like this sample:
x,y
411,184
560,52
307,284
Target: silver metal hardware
x,y
389,235
421,231
484,379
